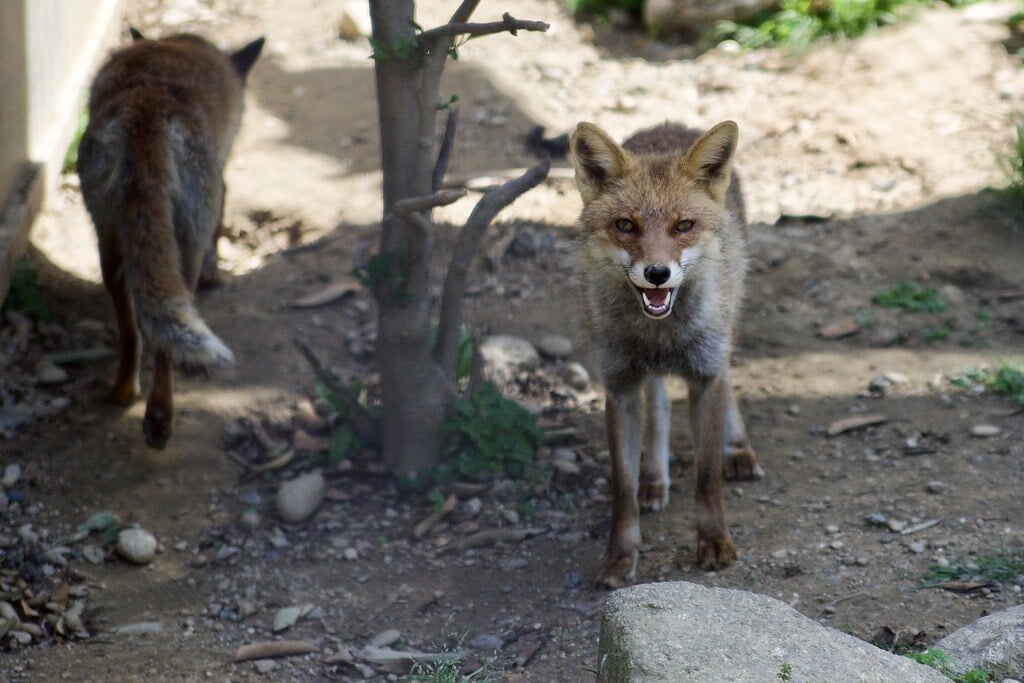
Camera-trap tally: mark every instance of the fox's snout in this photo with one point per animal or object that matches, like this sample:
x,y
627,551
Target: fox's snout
x,y
657,273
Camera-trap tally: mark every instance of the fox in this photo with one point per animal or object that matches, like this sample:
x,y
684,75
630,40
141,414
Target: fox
x,y
662,265
163,115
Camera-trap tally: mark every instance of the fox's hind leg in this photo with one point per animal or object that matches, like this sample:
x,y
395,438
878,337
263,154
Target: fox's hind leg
x,y
654,478
209,273
126,385
160,405
740,460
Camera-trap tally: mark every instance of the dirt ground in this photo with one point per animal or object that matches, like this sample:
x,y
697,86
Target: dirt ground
x,y
865,164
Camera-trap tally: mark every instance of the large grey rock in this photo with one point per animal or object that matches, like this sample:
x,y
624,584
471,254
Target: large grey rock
x,y
696,16
994,643
682,632
505,356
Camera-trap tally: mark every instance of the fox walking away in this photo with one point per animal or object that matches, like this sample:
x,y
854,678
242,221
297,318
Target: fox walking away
x,y
162,117
662,262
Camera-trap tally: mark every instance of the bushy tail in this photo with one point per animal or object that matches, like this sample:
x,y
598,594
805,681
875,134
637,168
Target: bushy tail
x,y
152,260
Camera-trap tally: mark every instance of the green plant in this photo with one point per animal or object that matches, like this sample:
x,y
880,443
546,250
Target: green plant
x,y
785,674
464,355
447,668
998,567
1007,379
941,662
1013,163
344,442
24,293
912,297
485,435
71,157
941,333
601,7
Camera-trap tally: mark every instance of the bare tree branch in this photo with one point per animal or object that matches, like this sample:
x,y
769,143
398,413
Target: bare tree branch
x,y
441,166
508,24
464,12
446,351
412,205
364,424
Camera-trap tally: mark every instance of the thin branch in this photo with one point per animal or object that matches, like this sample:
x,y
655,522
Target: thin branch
x,y
412,205
441,165
364,424
464,12
508,24
465,248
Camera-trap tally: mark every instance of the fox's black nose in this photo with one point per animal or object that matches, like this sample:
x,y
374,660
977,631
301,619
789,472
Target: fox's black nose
x,y
657,273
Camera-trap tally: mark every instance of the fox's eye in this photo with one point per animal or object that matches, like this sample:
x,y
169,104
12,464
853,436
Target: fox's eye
x,y
684,225
624,225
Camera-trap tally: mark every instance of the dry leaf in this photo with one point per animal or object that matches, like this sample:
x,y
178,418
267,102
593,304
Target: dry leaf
x,y
269,649
329,294
844,327
856,422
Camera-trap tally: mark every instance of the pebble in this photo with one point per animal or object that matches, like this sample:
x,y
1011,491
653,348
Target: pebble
x,y
831,529
566,467
471,508
572,580
12,473
554,346
935,487
942,562
511,516
385,638
49,373
876,519
486,641
576,376
250,520
985,431
862,561
136,545
299,498
878,385
285,618
896,525
265,666
351,554
916,547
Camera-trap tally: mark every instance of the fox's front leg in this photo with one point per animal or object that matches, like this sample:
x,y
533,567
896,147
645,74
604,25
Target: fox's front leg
x,y
156,425
708,400
654,482
622,419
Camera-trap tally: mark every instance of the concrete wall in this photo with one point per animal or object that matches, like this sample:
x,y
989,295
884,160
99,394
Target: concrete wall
x,y
48,52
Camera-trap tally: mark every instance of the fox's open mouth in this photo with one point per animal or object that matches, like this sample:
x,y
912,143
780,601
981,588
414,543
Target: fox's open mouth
x,y
656,302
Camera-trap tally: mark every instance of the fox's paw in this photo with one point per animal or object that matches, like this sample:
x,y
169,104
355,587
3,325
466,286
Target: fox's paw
x,y
157,428
616,568
653,494
715,554
741,464
123,394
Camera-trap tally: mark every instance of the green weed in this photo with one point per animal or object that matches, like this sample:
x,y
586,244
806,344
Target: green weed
x,y
785,674
343,442
999,567
71,157
1013,165
941,662
912,297
1007,379
24,295
448,669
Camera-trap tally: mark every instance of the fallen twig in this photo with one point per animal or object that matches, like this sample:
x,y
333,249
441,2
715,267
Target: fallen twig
x,y
424,527
928,524
493,537
856,422
269,649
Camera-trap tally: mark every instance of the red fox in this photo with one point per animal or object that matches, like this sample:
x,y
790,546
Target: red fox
x,y
662,264
162,118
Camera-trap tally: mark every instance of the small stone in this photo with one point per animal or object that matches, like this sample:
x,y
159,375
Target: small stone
x,y
566,467
49,373
554,346
916,547
793,410
511,516
985,431
12,473
896,525
385,638
136,545
351,554
299,498
831,529
250,520
876,519
836,545
862,561
780,554
265,666
572,580
504,357
285,618
878,385
471,508
487,642
942,562
576,376
935,487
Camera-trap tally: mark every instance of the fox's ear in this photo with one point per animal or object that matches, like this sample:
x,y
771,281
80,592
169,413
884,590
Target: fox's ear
x,y
244,58
709,159
598,160
136,34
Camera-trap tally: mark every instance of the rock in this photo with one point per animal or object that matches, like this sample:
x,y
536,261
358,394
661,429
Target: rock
x,y
385,638
935,487
136,545
985,431
896,525
351,554
12,473
566,467
576,376
916,547
684,632
249,520
265,666
554,346
285,618
486,641
299,498
506,356
994,643
49,373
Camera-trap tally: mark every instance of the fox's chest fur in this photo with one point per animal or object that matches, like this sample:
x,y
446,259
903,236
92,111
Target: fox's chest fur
x,y
695,339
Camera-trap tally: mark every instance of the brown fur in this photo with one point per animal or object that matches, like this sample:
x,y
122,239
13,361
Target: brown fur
x,y
664,213
162,118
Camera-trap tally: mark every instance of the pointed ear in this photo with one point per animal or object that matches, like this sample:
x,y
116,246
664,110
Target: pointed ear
x,y
709,159
598,160
136,34
244,59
